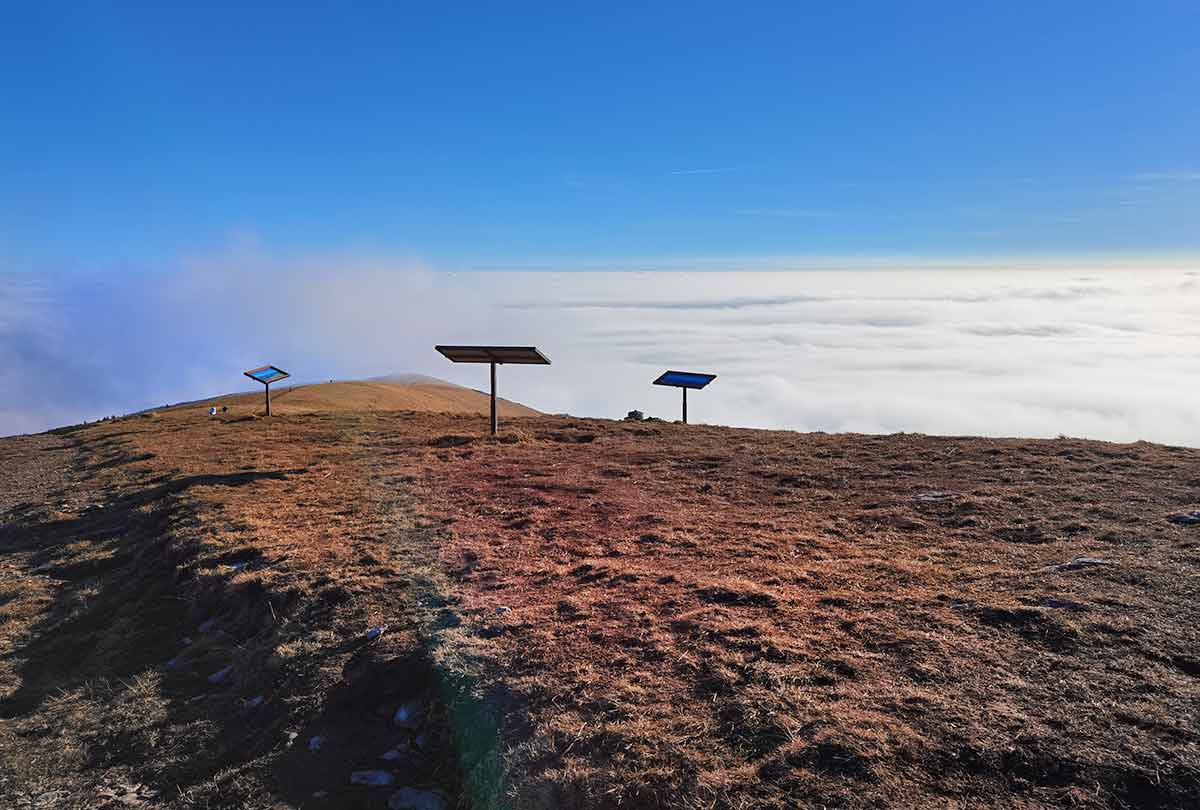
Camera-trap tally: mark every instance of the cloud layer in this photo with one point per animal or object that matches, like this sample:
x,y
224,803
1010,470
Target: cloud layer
x,y
1105,353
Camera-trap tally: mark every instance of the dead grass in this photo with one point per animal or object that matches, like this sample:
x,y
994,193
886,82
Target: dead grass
x,y
366,396
718,618
612,614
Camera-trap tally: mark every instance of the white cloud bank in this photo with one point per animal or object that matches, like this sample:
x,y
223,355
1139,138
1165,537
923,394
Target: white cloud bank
x,y
1105,353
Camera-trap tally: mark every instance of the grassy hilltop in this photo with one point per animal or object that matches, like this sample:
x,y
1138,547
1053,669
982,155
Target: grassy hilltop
x,y
589,614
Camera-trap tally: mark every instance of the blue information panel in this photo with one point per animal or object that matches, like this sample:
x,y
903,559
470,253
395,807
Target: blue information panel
x,y
685,379
267,374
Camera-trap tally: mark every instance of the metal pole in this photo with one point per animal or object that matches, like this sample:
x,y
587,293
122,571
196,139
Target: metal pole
x,y
267,386
684,390
493,397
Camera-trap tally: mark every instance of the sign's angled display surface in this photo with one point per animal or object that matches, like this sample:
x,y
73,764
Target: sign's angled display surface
x,y
267,374
684,379
494,356
512,355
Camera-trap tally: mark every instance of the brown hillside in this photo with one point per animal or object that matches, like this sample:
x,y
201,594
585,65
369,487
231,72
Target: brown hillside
x,y
593,614
374,395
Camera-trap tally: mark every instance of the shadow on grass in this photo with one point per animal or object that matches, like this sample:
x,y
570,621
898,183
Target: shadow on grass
x,y
132,576
114,612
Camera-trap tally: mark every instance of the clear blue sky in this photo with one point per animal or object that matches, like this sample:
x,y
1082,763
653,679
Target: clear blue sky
x,y
499,134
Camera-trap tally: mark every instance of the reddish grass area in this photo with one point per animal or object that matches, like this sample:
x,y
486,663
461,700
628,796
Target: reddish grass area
x,y
659,615
708,617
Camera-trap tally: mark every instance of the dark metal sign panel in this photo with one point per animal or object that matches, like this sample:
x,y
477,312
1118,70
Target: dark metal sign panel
x,y
525,355
267,374
684,379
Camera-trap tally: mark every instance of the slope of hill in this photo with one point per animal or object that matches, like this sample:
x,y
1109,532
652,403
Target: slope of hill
x,y
405,392
592,614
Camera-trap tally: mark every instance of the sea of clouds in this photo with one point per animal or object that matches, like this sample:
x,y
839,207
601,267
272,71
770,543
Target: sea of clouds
x,y
1101,352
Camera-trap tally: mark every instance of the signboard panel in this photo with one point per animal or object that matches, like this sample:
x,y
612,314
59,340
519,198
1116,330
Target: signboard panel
x,y
684,379
267,374
524,355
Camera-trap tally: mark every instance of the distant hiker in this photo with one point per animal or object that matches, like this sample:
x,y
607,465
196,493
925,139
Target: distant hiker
x,y
224,409
212,411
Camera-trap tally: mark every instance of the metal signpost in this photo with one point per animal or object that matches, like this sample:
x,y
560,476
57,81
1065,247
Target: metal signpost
x,y
267,375
684,380
494,356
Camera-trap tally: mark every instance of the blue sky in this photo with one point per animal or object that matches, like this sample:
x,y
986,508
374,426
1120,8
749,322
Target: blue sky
x,y
505,135
164,171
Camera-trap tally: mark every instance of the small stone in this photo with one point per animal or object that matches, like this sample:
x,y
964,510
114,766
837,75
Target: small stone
x,y
500,611
372,778
1080,562
390,756
255,702
238,566
376,632
1186,519
208,625
186,641
412,799
933,497
314,743
421,741
220,675
408,716
174,662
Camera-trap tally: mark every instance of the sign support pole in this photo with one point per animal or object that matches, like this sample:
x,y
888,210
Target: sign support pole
x,y
494,425
684,390
267,388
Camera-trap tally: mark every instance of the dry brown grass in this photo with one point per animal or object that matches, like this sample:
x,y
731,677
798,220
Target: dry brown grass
x,y
709,617
653,615
365,396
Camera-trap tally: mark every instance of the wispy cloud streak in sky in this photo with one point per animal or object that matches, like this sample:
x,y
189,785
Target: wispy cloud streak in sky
x,y
717,170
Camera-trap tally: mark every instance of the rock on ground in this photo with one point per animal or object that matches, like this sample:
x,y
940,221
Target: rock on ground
x,y
413,799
